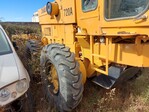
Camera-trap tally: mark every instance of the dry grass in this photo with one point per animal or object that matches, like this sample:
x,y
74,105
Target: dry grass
x,y
130,97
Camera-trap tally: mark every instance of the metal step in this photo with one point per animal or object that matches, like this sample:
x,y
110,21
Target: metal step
x,y
108,81
116,75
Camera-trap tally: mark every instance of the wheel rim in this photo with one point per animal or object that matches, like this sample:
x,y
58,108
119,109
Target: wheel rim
x,y
52,77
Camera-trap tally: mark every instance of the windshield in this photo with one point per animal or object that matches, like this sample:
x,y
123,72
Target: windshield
x,y
4,46
124,8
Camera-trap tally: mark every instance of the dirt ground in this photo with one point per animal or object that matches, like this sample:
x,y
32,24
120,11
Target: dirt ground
x,y
132,96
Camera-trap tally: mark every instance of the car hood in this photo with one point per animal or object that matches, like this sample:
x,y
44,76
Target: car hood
x,y
8,70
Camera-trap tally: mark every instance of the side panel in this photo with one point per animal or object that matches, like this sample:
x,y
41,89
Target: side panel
x,y
69,34
63,34
126,54
69,11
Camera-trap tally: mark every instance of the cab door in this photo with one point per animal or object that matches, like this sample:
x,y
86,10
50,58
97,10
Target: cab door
x,y
88,15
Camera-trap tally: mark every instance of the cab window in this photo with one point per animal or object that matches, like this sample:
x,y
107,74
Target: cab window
x,y
89,5
124,8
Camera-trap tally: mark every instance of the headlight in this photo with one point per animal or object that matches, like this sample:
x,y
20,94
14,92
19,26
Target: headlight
x,y
49,8
52,8
4,94
21,86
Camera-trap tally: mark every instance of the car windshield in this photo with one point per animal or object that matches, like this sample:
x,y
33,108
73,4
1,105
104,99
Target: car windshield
x,y
4,46
124,8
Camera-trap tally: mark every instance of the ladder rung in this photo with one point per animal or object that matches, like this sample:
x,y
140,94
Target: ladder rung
x,y
101,71
99,56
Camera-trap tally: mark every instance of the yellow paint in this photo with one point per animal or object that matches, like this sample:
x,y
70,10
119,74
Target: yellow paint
x,y
54,8
81,32
83,71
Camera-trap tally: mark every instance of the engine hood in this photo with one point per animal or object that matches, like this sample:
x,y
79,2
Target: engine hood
x,y
8,70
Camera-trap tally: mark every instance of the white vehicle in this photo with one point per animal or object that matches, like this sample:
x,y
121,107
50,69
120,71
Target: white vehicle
x,y
14,79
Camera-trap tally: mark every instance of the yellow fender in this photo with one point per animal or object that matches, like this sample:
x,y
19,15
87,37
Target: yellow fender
x,y
83,71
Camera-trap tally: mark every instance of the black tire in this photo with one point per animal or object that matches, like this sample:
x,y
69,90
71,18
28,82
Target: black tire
x,y
32,48
69,77
32,57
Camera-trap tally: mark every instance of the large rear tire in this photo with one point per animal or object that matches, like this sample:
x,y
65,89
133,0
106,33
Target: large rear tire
x,y
62,79
32,57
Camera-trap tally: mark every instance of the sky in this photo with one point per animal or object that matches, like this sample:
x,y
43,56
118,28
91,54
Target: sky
x,y
19,10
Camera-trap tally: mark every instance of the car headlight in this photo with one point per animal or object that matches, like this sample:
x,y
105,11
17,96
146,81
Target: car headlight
x,y
4,94
21,86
